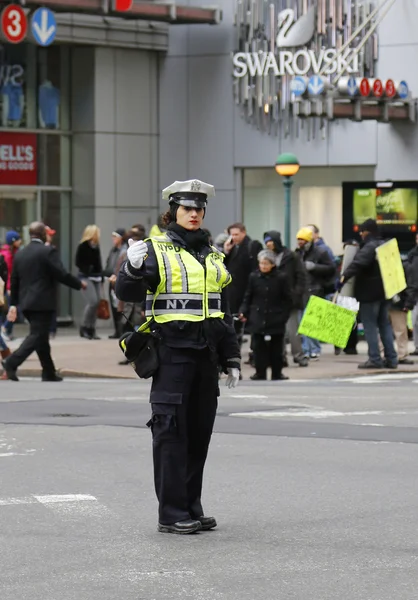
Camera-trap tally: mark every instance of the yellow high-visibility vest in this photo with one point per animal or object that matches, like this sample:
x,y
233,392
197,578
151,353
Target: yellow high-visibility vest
x,y
155,231
187,291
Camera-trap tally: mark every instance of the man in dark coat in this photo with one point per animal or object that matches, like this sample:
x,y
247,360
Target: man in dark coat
x,y
289,264
321,276
37,270
240,260
369,291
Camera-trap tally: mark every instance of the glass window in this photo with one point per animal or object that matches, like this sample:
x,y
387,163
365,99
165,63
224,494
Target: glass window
x,y
13,86
53,87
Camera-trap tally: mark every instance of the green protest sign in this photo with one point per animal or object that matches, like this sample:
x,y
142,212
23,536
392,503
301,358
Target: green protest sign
x,y
327,322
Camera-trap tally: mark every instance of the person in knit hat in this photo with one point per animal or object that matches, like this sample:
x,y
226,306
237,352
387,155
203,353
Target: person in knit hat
x,y
320,272
369,291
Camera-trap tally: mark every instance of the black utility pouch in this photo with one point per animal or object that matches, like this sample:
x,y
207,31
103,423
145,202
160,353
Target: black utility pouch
x,y
141,350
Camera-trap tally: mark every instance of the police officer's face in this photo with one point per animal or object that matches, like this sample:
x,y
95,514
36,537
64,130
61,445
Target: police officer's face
x,y
190,218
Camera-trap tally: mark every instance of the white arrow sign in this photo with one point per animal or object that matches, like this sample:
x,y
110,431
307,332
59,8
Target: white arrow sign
x,y
44,26
316,85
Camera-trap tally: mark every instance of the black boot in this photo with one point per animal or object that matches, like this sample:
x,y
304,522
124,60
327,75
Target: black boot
x,y
182,527
85,333
93,334
10,373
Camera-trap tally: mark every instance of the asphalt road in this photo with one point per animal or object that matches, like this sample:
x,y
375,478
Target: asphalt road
x,y
313,484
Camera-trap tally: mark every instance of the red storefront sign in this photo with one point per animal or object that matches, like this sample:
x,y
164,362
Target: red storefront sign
x,y
18,165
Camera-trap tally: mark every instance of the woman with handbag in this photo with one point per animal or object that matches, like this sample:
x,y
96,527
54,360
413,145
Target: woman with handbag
x,y
89,263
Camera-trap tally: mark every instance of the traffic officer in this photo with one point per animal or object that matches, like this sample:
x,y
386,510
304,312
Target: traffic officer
x,y
183,279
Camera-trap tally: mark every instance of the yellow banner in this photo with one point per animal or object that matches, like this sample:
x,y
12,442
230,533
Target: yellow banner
x,y
327,322
391,268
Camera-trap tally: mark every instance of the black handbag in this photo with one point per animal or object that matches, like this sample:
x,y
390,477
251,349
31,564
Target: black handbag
x,y
141,350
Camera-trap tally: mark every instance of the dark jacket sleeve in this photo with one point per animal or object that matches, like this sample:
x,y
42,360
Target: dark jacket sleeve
x,y
78,257
363,260
14,284
58,271
411,275
325,266
254,249
246,303
300,282
3,269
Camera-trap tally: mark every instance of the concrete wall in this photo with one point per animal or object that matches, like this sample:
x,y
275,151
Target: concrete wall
x,y
204,136
115,141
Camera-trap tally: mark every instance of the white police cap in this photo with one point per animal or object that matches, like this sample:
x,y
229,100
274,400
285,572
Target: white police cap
x,y
192,193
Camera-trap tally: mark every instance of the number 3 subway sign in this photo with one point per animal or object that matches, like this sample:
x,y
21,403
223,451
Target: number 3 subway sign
x,y
18,159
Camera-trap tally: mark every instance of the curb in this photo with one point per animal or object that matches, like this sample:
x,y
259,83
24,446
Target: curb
x,y
70,374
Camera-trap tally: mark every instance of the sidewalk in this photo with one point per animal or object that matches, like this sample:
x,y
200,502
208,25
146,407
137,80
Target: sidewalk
x,y
77,357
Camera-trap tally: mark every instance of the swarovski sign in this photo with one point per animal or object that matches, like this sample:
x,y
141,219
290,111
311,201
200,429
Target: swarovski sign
x,y
292,32
283,39
302,62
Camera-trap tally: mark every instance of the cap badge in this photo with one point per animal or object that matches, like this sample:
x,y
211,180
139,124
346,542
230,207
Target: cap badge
x,y
195,186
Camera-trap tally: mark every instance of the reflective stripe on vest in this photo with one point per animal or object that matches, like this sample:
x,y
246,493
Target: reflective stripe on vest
x,y
187,291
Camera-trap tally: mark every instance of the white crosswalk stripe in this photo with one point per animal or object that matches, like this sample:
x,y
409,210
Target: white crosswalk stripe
x,y
66,505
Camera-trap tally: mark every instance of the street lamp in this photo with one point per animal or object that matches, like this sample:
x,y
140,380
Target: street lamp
x,y
287,165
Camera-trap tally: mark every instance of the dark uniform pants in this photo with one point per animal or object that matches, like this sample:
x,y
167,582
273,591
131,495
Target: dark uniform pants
x,y
184,399
37,341
268,354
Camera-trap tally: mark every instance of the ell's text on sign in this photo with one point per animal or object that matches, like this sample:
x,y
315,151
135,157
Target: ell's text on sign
x,y
18,164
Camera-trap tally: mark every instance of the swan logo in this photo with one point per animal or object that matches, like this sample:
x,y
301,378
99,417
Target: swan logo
x,y
292,33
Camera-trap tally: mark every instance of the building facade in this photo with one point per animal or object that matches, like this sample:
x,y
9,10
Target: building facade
x,y
94,126
209,139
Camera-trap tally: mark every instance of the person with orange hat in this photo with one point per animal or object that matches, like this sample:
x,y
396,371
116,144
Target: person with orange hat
x,y
49,235
320,270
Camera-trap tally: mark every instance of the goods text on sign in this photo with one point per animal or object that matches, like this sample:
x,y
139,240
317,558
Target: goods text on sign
x,y
14,25
18,165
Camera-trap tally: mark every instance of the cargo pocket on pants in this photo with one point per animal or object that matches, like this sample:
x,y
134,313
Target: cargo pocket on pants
x,y
163,422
